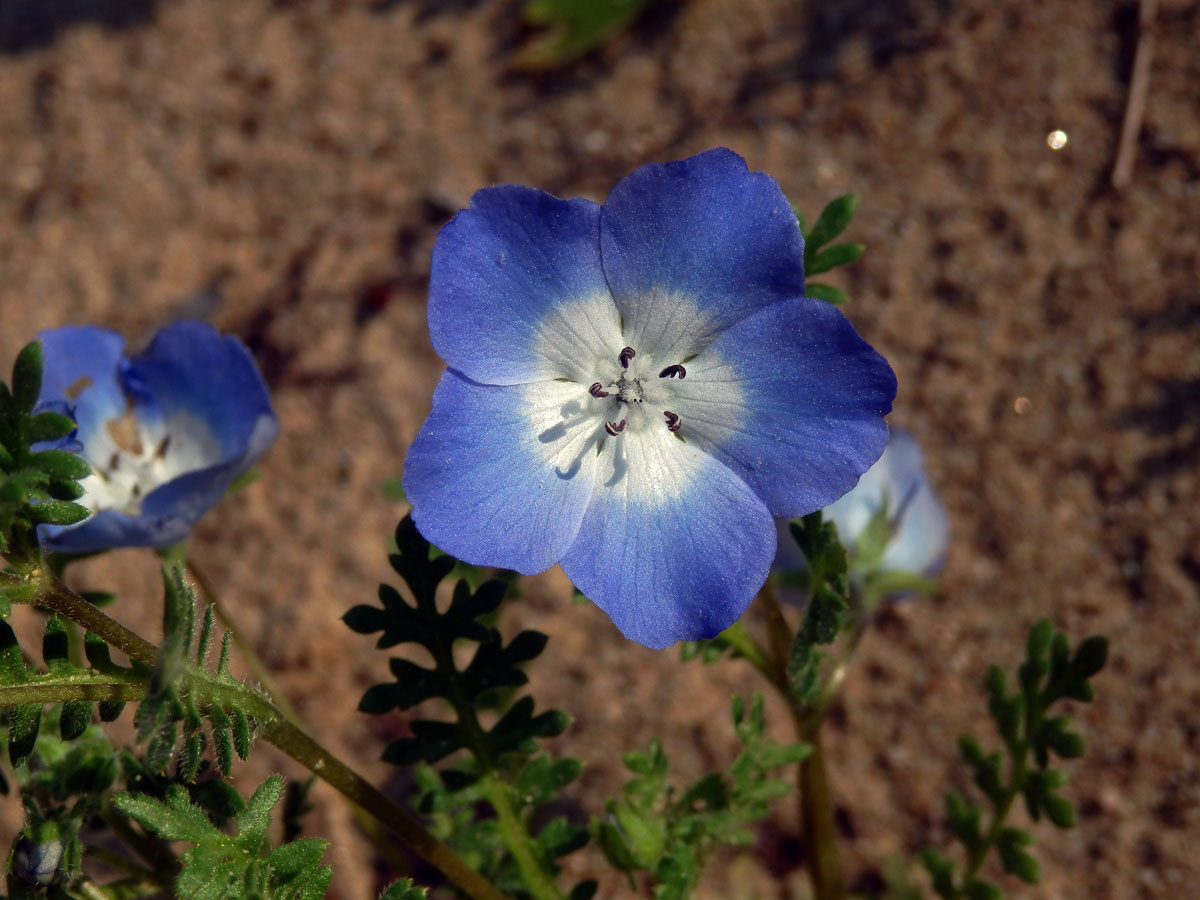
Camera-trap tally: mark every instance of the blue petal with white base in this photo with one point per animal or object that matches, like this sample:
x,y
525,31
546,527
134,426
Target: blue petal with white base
x,y
503,267
673,544
792,400
531,482
702,235
635,390
166,430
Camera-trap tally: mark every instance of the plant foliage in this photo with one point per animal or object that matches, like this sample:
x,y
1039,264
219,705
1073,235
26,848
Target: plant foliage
x,y
670,834
237,866
37,486
501,766
1050,673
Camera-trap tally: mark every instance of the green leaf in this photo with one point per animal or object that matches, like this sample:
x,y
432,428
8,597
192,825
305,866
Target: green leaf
x,y
49,426
58,512
174,820
61,464
1059,810
572,29
1090,656
826,292
833,257
834,219
403,889
27,377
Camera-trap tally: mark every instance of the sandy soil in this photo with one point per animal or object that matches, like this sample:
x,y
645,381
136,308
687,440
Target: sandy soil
x,y
281,169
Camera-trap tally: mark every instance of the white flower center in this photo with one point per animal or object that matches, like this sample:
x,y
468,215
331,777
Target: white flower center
x,y
635,391
131,456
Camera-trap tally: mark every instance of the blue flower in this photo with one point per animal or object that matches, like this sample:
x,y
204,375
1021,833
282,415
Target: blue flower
x,y
894,494
166,430
636,389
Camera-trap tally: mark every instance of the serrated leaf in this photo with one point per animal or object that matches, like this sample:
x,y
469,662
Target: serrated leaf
x,y
255,819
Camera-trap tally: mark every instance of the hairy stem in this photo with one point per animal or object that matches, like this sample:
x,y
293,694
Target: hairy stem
x,y
54,595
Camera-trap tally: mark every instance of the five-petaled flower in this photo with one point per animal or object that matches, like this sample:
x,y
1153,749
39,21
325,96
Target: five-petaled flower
x,y
166,430
636,389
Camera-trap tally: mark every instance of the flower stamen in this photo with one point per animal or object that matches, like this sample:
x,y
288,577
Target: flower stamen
x,y
625,356
597,391
614,428
672,371
673,421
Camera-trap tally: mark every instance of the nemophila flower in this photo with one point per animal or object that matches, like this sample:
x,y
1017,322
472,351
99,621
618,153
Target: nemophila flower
x,y
890,523
636,389
166,430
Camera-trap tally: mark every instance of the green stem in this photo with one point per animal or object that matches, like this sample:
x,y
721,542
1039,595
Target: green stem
x,y
284,735
749,649
262,675
513,831
975,859
516,838
820,829
302,748
99,690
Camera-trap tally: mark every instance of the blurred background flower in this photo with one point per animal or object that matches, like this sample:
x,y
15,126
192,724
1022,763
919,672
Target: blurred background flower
x,y
891,523
166,430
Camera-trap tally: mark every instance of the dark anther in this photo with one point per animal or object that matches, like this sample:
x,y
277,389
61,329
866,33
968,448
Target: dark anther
x,y
161,452
673,422
597,391
115,462
614,428
625,356
672,371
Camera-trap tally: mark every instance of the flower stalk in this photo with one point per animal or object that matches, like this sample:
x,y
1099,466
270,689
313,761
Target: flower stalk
x,y
275,728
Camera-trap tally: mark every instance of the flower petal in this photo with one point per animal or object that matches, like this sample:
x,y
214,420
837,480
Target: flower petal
x,y
792,400
501,475
111,528
702,234
919,542
674,546
82,368
516,291
193,377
